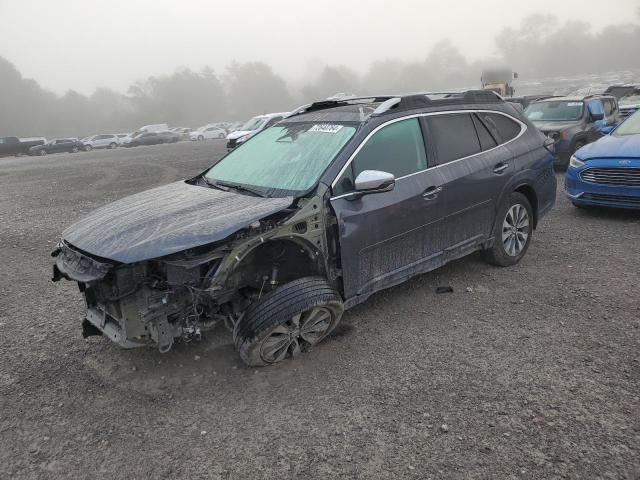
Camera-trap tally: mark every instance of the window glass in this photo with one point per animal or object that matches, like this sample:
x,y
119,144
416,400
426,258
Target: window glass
x,y
555,111
505,128
454,136
609,106
288,157
487,142
595,106
397,148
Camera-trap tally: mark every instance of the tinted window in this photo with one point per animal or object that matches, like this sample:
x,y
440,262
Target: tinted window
x,y
502,127
487,141
454,136
609,106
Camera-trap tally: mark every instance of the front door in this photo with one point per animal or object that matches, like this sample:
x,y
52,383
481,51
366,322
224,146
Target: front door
x,y
386,237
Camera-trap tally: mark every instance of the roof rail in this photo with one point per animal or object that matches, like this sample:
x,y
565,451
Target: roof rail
x,y
423,99
324,104
405,102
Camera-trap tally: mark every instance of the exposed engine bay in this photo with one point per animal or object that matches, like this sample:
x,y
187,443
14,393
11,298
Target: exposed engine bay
x,y
182,295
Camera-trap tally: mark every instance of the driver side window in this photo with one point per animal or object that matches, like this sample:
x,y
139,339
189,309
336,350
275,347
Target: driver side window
x,y
397,148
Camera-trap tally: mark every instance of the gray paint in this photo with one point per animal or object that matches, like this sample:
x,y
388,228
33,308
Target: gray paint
x,y
166,220
385,238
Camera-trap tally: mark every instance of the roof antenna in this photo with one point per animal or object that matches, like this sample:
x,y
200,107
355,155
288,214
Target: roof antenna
x,y
362,115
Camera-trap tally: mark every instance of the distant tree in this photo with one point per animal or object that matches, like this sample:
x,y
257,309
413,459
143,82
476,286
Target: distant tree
x,y
253,89
332,80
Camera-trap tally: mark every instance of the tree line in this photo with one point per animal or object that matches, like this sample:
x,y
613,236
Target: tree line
x,y
540,46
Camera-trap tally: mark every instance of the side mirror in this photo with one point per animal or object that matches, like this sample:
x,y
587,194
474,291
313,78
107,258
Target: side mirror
x,y
597,116
374,181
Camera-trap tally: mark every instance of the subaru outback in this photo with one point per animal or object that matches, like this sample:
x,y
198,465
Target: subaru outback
x,y
310,217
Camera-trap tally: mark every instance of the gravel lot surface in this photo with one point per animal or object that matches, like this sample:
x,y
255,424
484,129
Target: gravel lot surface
x,y
525,372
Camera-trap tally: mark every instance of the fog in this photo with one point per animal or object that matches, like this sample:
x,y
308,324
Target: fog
x,y
74,68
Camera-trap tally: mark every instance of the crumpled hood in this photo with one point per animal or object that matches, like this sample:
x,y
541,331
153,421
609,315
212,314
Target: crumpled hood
x,y
554,126
167,220
237,134
610,146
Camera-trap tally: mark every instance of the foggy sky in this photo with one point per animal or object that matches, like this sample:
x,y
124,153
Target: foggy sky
x,y
83,44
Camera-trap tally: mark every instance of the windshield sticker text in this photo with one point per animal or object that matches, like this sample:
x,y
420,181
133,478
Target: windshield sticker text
x,y
325,128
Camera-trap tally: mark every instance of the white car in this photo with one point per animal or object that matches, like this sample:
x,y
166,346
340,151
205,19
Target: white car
x,y
207,132
253,126
101,141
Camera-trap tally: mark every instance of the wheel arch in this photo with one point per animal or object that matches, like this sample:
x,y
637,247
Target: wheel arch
x,y
293,258
528,191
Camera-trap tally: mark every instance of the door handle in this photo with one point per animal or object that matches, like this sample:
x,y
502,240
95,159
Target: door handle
x,y
500,167
431,193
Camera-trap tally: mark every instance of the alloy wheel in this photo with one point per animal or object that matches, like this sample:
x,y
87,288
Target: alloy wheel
x,y
299,333
515,230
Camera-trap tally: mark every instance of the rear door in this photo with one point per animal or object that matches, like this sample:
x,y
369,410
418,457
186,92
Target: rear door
x,y
387,237
469,171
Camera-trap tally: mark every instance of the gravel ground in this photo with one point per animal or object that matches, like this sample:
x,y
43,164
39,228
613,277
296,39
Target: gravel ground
x,y
531,371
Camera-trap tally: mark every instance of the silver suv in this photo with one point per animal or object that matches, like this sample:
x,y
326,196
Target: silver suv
x,y
101,141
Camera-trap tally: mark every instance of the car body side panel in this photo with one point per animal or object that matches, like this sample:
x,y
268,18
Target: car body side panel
x,y
387,235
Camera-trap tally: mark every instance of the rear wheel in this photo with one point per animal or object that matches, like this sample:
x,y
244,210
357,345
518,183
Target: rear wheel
x,y
221,135
88,148
287,321
113,145
200,137
513,230
74,150
42,152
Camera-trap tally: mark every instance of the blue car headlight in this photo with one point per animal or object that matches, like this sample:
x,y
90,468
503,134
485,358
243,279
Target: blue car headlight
x,y
575,162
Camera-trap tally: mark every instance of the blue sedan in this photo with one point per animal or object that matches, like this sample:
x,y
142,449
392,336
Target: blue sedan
x,y
607,172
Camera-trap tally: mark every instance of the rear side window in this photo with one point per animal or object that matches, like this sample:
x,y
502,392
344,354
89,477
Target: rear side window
x,y
501,126
609,106
454,136
487,142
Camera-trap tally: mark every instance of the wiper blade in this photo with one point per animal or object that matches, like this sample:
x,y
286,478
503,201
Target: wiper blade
x,y
241,188
214,184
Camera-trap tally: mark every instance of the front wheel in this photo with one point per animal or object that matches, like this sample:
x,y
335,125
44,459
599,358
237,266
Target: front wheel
x,y
513,230
287,321
113,145
88,148
74,150
221,135
200,137
42,152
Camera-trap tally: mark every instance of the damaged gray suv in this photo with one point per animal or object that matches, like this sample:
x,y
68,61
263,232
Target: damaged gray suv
x,y
310,217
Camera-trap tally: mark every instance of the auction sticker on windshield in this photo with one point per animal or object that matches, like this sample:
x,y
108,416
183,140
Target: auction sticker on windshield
x,y
325,128
574,104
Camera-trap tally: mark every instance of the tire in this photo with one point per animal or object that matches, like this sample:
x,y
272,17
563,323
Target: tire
x,y
290,319
200,137
88,148
509,246
42,152
113,145
221,135
75,150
